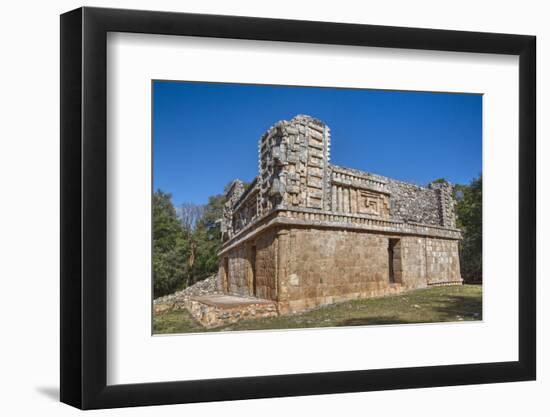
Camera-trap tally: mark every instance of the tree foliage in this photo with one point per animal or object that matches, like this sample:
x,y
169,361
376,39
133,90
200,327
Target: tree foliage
x,y
185,242
170,248
469,219
206,240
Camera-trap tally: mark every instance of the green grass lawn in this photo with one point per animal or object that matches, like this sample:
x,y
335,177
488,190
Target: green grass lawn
x,y
437,304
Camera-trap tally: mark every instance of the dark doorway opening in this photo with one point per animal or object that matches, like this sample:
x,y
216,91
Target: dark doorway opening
x,y
226,275
392,243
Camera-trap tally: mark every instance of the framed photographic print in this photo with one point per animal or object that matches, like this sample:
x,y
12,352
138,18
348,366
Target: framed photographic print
x,y
314,207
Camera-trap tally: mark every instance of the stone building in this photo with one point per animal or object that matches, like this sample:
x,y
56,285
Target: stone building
x,y
306,232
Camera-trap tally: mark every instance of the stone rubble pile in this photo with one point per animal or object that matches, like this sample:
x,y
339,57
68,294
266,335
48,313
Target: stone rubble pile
x,y
180,299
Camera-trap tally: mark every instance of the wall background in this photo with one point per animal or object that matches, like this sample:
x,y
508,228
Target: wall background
x,y
29,213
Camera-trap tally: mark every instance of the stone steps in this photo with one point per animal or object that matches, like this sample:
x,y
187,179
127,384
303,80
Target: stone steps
x,y
221,310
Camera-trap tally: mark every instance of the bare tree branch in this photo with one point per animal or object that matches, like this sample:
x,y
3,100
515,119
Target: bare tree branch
x,y
190,214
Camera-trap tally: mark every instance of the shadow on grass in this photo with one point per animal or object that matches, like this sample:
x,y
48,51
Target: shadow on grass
x,y
455,307
443,309
370,321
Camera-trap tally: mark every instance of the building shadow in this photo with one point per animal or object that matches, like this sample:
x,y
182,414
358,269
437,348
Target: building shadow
x,y
370,321
460,306
446,309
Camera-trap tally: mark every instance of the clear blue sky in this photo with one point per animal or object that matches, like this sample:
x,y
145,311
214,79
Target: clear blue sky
x,y
206,134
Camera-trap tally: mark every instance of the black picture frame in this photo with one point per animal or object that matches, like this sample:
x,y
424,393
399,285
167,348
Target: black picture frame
x,y
84,207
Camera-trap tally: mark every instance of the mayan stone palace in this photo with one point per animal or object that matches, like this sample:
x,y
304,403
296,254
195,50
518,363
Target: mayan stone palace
x,y
307,233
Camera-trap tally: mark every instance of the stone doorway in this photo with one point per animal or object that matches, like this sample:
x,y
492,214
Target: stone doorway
x,y
394,261
225,277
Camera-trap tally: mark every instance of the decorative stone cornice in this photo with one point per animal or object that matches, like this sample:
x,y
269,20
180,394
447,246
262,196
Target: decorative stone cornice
x,y
303,217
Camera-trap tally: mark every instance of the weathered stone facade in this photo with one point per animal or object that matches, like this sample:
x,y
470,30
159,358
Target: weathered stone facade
x,y
307,233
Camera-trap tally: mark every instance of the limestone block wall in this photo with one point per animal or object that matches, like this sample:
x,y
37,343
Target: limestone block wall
x,y
251,268
266,266
428,261
238,271
304,267
413,259
442,262
321,266
326,266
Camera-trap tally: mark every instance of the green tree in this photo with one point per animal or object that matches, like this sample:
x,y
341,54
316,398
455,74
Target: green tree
x,y
206,240
469,219
170,247
185,244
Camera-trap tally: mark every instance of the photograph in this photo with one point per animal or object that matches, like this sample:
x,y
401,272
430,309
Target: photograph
x,y
280,207
275,209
